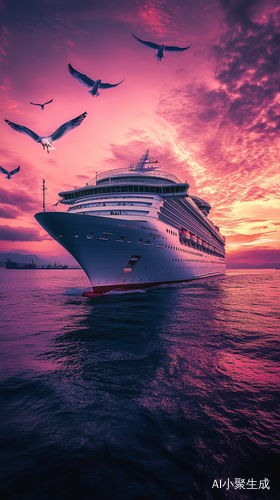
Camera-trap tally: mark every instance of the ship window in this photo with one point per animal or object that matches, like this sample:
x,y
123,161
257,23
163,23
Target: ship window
x,y
117,189
135,189
141,189
130,188
147,189
113,189
152,189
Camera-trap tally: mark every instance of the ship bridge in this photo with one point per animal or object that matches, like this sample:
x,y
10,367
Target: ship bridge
x,y
142,178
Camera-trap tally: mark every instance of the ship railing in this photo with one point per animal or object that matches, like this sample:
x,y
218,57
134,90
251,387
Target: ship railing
x,y
111,174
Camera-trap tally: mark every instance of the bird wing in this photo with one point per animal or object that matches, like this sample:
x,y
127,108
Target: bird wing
x,y
170,48
66,127
109,85
84,79
48,102
23,130
149,44
4,170
15,171
35,104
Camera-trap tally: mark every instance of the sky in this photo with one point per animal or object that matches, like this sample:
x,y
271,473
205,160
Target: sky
x,y
210,114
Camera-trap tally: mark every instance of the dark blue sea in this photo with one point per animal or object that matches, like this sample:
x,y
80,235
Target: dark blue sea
x,y
169,393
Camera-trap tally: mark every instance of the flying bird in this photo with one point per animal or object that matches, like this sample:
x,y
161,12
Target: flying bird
x,y
48,140
160,48
9,174
88,82
42,105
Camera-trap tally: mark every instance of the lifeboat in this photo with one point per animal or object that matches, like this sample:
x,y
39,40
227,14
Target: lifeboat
x,y
204,244
185,235
193,237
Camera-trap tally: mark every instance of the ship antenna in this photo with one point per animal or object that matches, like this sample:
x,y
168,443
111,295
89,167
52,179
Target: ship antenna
x,y
44,189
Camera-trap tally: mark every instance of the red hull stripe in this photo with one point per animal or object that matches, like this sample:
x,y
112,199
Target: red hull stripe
x,y
100,290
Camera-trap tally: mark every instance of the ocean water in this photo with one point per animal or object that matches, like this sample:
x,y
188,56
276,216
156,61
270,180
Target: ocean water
x,y
169,393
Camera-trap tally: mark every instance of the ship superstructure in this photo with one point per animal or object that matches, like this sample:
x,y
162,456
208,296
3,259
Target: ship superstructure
x,y
137,227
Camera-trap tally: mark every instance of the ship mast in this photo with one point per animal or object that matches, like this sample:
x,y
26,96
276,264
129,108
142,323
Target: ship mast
x,y
44,189
144,163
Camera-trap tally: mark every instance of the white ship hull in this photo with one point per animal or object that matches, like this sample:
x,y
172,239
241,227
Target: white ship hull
x,y
119,253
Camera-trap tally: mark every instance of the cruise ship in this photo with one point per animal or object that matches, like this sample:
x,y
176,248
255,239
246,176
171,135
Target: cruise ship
x,y
137,227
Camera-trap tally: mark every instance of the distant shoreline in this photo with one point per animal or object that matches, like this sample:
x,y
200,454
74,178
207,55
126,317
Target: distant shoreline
x,y
41,268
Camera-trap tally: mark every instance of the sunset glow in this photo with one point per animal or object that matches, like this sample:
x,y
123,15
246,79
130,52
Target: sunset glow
x,y
210,115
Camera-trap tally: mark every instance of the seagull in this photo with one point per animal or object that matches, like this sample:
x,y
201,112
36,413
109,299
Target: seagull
x,y
161,48
9,174
42,105
88,82
47,141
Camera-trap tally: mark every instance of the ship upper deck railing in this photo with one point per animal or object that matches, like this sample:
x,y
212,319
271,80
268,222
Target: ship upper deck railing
x,y
110,175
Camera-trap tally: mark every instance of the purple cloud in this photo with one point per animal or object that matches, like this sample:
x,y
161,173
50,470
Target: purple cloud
x,y
232,130
18,198
8,213
250,258
9,233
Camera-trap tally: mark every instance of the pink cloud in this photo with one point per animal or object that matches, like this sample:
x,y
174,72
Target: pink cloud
x,y
245,238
